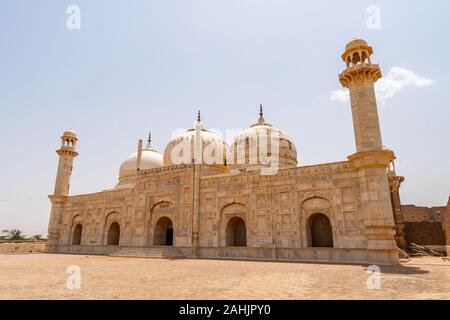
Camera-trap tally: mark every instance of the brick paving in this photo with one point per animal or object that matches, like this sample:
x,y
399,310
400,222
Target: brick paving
x,y
43,276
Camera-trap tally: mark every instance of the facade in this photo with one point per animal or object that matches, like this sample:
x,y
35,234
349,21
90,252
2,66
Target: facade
x,y
237,206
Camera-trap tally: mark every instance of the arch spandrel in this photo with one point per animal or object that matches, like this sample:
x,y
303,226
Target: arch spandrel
x,y
233,208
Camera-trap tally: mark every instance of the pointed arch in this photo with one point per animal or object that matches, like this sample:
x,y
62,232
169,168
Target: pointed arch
x,y
76,234
317,221
113,238
163,232
160,224
233,226
76,229
236,232
320,231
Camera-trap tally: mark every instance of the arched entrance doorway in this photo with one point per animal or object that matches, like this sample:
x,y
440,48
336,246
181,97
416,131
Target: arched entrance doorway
x,y
163,233
113,234
236,233
321,232
76,236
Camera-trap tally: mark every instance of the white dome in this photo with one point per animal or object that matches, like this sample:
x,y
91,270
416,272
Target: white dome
x,y
214,149
241,156
150,159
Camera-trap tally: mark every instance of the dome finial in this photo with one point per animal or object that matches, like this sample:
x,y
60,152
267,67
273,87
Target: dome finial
x,y
149,141
261,120
198,124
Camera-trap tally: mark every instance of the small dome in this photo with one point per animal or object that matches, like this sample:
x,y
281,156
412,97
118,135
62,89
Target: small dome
x,y
356,43
250,158
181,149
70,134
150,159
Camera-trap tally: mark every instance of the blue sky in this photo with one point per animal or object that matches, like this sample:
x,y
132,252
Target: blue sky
x,y
138,65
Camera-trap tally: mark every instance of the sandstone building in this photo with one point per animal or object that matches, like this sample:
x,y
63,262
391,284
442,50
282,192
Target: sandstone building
x,y
347,211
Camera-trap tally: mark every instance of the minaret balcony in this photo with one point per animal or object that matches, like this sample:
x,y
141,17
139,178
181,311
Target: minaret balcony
x,y
360,72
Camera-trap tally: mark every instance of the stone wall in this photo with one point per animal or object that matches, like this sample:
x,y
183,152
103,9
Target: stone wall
x,y
412,213
22,246
424,233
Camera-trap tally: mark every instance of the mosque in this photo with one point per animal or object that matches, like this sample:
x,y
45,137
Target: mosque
x,y
252,200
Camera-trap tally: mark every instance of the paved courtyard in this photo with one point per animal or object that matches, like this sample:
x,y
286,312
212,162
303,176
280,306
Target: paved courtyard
x,y
44,276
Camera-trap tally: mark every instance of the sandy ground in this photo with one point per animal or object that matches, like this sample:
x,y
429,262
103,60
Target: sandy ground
x,y
44,276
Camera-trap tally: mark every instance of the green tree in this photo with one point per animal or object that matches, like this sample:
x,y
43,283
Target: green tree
x,y
37,236
14,234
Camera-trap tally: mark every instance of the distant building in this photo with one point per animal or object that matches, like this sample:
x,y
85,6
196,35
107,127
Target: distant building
x,y
413,213
423,225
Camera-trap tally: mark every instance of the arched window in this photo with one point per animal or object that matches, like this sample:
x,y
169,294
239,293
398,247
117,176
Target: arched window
x,y
364,57
163,233
113,234
236,233
321,232
356,58
76,236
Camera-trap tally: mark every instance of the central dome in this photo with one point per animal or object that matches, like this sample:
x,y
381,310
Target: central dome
x,y
197,145
256,141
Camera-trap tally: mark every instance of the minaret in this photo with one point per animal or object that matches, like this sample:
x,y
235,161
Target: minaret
x,y
359,77
60,196
66,155
371,160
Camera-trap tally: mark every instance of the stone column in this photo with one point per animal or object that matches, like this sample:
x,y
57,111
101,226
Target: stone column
x,y
394,187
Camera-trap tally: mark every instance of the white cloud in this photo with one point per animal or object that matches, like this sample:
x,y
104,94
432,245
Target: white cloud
x,y
396,80
340,95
